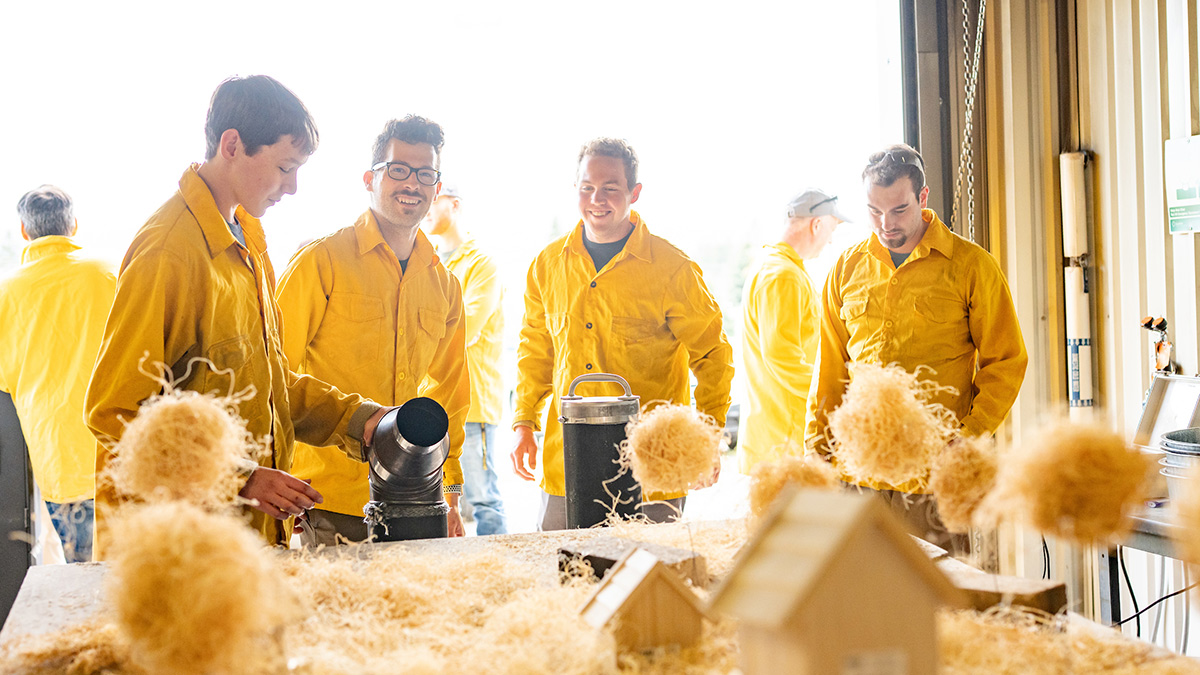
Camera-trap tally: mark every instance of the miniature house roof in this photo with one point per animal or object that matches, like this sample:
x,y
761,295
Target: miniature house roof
x,y
632,580
798,543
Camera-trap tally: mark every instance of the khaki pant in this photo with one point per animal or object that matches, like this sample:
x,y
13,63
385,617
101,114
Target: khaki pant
x,y
552,515
920,515
330,529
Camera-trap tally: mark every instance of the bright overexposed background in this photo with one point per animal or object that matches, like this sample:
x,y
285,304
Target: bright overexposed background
x,y
732,107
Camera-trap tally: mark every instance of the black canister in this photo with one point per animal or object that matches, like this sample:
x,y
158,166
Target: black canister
x,y
405,468
593,428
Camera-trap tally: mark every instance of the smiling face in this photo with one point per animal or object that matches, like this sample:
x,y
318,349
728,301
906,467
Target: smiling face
x,y
402,203
260,180
896,214
605,198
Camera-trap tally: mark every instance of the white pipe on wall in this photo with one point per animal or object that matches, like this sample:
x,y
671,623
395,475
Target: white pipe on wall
x,y
1075,283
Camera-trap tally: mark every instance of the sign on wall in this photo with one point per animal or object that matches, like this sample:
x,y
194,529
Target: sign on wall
x,y
1181,164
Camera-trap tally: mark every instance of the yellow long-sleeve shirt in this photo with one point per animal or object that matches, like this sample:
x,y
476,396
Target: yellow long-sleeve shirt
x,y
947,307
188,289
482,294
54,306
355,319
780,330
646,316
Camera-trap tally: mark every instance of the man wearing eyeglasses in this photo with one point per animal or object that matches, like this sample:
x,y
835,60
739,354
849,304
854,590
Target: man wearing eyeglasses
x,y
780,329
916,294
370,308
610,297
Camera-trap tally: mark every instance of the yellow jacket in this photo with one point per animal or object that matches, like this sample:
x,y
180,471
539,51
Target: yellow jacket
x,y
947,307
482,294
353,319
780,330
187,289
646,316
54,307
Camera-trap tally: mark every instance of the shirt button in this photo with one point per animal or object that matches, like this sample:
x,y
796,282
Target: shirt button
x,y
887,324
895,281
401,331
589,325
588,366
399,376
593,284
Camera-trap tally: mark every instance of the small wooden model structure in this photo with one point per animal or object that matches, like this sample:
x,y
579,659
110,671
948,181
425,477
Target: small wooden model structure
x,y
832,583
645,604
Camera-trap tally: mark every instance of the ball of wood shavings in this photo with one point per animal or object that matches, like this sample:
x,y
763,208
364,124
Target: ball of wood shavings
x,y
1074,481
887,429
183,446
672,448
963,473
195,592
767,479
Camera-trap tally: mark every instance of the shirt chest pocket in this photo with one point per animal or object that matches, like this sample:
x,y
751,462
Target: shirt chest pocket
x,y
425,338
942,324
232,362
853,310
353,325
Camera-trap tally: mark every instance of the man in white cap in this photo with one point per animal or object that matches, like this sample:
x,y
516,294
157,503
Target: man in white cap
x,y
482,294
781,327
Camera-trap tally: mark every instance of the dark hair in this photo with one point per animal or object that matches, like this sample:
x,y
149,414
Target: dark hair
x,y
887,166
46,211
412,129
612,147
262,110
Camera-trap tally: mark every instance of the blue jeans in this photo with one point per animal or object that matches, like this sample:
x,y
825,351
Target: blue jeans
x,y
481,487
73,522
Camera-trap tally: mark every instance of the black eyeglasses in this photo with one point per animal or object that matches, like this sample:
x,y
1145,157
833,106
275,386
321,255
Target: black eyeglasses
x,y
903,157
401,171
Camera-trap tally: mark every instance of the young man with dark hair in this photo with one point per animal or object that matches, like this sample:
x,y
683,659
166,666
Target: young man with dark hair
x,y
196,293
916,294
612,298
372,309
54,306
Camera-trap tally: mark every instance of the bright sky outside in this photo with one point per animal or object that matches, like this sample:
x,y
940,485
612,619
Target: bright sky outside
x,y
731,106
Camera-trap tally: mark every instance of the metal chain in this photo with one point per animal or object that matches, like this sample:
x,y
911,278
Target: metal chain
x,y
966,160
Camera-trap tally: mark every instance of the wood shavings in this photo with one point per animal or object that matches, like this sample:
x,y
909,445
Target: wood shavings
x,y
1023,642
887,428
195,592
671,448
1074,481
184,446
962,474
767,479
92,647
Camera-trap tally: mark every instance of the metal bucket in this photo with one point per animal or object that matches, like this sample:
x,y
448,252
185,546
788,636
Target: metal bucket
x,y
593,428
405,468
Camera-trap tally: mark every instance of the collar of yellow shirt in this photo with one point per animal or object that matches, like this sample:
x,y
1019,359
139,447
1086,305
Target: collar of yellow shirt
x,y
638,245
216,232
937,237
369,236
47,245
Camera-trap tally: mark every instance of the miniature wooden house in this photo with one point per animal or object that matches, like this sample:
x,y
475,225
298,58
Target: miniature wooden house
x,y
832,583
646,604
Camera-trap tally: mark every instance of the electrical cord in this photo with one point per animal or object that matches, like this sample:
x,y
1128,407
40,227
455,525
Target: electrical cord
x,y
1129,584
1185,589
1045,559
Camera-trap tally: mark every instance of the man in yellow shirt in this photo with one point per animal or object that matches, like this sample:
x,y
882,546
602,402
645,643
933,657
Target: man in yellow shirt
x,y
54,307
610,297
780,330
370,308
482,295
196,292
916,294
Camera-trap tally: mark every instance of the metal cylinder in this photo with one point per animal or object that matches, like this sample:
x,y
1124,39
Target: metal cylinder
x,y
405,470
593,428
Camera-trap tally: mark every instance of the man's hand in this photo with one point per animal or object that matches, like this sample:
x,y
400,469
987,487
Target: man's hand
x,y
279,494
709,481
524,455
372,422
454,522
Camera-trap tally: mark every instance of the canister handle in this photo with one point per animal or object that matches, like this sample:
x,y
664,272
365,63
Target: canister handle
x,y
600,377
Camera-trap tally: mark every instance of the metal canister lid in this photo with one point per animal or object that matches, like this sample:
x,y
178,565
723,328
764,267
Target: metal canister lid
x,y
598,409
